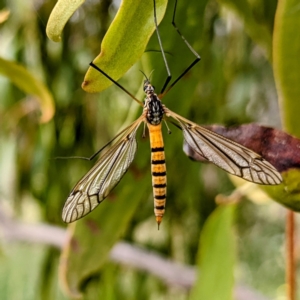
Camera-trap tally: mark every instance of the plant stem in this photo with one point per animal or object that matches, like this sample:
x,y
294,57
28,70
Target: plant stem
x,y
290,259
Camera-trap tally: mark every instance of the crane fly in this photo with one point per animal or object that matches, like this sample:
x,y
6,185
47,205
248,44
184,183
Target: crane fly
x,y
230,156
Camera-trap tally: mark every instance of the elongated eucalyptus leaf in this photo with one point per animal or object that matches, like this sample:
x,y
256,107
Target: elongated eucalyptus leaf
x,y
124,42
216,256
286,63
25,81
60,15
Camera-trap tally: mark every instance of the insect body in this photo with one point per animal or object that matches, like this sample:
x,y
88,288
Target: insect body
x,y
154,112
95,186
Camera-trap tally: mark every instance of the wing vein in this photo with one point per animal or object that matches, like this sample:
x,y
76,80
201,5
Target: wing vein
x,y
94,187
226,154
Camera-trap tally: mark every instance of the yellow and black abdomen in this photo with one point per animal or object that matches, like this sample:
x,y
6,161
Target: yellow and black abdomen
x,y
158,169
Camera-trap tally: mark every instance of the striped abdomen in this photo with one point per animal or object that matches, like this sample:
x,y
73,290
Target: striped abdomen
x,y
158,169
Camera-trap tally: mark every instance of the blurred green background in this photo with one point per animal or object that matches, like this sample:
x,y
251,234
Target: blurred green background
x,y
233,84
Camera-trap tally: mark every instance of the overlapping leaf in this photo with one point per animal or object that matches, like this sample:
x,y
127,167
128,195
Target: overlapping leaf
x,y
24,80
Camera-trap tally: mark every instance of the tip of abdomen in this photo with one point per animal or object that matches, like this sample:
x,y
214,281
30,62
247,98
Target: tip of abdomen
x,y
158,220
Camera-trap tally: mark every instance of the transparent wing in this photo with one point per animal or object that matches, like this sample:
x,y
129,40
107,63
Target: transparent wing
x,y
226,154
95,186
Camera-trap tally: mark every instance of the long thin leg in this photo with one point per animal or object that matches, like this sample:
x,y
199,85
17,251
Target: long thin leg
x,y
116,83
106,145
162,50
191,49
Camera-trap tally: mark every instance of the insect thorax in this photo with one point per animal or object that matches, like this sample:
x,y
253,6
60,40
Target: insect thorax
x,y
154,109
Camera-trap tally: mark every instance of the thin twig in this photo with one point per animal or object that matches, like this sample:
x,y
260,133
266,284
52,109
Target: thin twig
x,y
172,273
290,258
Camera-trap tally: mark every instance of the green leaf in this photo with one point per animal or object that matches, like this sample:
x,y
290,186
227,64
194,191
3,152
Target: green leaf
x,y
92,237
287,194
30,85
286,49
216,256
60,15
124,42
286,64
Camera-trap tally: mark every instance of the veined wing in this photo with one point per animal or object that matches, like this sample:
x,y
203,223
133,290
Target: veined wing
x,y
226,154
95,186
